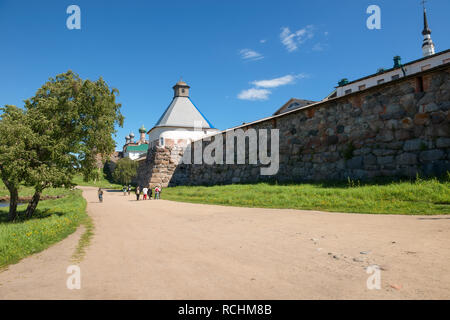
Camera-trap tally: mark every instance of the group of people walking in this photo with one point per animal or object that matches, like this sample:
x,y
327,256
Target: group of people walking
x,y
147,193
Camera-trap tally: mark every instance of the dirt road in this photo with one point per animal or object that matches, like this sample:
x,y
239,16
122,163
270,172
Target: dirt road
x,y
169,250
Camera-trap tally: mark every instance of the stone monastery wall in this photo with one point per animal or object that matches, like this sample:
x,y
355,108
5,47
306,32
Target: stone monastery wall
x,y
396,129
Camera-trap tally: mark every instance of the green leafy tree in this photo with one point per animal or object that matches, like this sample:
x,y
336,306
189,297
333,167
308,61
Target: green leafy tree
x,y
74,120
16,154
125,171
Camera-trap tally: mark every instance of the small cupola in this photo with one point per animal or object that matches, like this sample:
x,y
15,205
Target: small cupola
x,y
181,89
397,62
343,82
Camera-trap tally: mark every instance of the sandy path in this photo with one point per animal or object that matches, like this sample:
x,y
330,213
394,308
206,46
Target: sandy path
x,y
168,250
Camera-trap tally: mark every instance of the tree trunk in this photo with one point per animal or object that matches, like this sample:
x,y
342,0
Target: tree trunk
x,y
13,199
33,204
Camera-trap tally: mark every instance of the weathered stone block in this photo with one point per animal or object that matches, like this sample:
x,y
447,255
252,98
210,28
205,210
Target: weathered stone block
x,y
385,136
370,160
355,163
431,107
421,119
407,123
385,160
403,134
443,142
437,117
383,152
432,155
413,145
407,159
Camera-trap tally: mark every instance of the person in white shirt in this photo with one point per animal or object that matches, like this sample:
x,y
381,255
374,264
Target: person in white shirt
x,y
145,190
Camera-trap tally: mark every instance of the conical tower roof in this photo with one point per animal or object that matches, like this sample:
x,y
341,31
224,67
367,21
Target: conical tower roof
x,y
183,113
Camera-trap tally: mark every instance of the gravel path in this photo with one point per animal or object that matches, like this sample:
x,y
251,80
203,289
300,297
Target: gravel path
x,y
168,250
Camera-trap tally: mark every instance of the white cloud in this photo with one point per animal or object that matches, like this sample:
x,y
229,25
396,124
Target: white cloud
x,y
250,55
254,94
291,40
277,82
263,41
318,47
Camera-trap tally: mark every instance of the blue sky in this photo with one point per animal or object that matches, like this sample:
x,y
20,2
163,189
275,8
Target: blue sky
x,y
243,59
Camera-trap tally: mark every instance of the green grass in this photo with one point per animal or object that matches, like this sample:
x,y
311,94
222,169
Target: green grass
x,y
78,180
427,197
53,221
85,240
29,191
100,183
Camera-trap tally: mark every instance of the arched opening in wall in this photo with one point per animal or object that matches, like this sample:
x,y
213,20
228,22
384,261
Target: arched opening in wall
x,y
419,84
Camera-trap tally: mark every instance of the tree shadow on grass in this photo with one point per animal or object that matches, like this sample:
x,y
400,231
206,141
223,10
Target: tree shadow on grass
x,y
38,214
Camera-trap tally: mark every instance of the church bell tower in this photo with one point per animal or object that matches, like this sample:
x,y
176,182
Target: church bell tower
x,y
428,45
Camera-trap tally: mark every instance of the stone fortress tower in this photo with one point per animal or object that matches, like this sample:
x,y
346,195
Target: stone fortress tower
x,y
181,124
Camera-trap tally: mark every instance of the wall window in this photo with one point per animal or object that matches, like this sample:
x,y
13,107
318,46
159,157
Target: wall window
x,y
362,87
380,81
348,91
395,77
426,67
446,61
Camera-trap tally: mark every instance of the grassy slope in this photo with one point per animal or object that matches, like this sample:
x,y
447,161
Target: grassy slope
x,y
101,183
27,191
53,221
78,180
417,197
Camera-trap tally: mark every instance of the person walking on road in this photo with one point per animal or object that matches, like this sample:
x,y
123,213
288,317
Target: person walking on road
x,y
145,190
150,193
100,194
157,192
138,193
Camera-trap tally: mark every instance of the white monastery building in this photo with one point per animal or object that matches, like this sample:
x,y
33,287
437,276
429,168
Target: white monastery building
x,y
135,150
429,60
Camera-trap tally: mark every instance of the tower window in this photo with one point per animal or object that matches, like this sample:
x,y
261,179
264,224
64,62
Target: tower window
x,y
182,90
161,141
